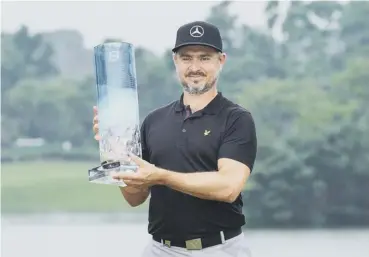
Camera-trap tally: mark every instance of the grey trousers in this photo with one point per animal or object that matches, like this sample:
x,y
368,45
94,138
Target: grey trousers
x,y
234,247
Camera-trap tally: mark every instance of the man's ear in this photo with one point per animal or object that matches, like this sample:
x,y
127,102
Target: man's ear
x,y
222,58
175,57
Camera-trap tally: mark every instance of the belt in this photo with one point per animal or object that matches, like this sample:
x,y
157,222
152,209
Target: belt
x,y
201,243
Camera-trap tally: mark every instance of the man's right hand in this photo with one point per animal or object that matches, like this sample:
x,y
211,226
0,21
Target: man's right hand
x,y
134,190
95,123
135,196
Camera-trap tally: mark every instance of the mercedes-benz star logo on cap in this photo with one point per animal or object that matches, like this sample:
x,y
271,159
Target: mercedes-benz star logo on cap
x,y
197,31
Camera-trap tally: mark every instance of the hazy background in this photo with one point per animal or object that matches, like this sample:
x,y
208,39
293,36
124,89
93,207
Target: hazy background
x,y
300,68
150,24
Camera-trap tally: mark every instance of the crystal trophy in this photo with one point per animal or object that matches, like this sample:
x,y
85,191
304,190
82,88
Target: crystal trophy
x,y
118,111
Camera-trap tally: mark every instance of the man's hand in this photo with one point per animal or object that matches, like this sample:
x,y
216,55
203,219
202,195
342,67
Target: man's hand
x,y
134,189
95,123
146,175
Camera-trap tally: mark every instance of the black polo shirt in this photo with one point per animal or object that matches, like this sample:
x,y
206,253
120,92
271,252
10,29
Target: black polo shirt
x,y
175,139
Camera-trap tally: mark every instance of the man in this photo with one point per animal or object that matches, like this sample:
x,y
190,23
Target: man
x,y
198,153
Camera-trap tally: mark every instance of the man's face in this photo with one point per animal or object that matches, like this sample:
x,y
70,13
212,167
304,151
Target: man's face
x,y
198,68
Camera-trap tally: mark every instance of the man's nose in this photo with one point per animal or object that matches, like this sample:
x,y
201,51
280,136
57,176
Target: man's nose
x,y
195,65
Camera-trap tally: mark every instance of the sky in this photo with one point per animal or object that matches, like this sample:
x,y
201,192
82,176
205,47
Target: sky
x,y
151,24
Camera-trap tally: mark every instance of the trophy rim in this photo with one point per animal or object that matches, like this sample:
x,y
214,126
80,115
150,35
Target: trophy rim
x,y
114,43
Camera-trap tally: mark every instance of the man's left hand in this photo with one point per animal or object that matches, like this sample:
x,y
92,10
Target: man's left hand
x,y
146,175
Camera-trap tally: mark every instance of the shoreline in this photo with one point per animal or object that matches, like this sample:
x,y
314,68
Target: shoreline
x,y
124,217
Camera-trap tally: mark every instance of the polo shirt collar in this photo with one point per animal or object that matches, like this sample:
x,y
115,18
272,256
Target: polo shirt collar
x,y
212,108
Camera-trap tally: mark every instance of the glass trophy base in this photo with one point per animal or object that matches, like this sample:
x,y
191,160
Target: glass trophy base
x,y
102,173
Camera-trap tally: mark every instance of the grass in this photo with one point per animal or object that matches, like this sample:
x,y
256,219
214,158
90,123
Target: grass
x,y
53,186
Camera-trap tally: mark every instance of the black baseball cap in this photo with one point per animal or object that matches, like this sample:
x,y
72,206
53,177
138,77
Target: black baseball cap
x,y
198,33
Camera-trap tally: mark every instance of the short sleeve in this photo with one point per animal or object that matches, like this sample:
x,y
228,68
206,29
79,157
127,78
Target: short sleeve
x,y
144,147
239,141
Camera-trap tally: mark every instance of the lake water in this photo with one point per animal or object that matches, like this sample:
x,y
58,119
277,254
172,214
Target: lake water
x,y
103,236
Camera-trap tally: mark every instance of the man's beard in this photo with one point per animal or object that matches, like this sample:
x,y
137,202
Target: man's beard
x,y
199,88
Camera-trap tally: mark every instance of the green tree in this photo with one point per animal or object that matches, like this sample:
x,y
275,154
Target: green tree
x,y
23,56
310,35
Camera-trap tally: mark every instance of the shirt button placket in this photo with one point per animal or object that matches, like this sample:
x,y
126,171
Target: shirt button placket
x,y
182,135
